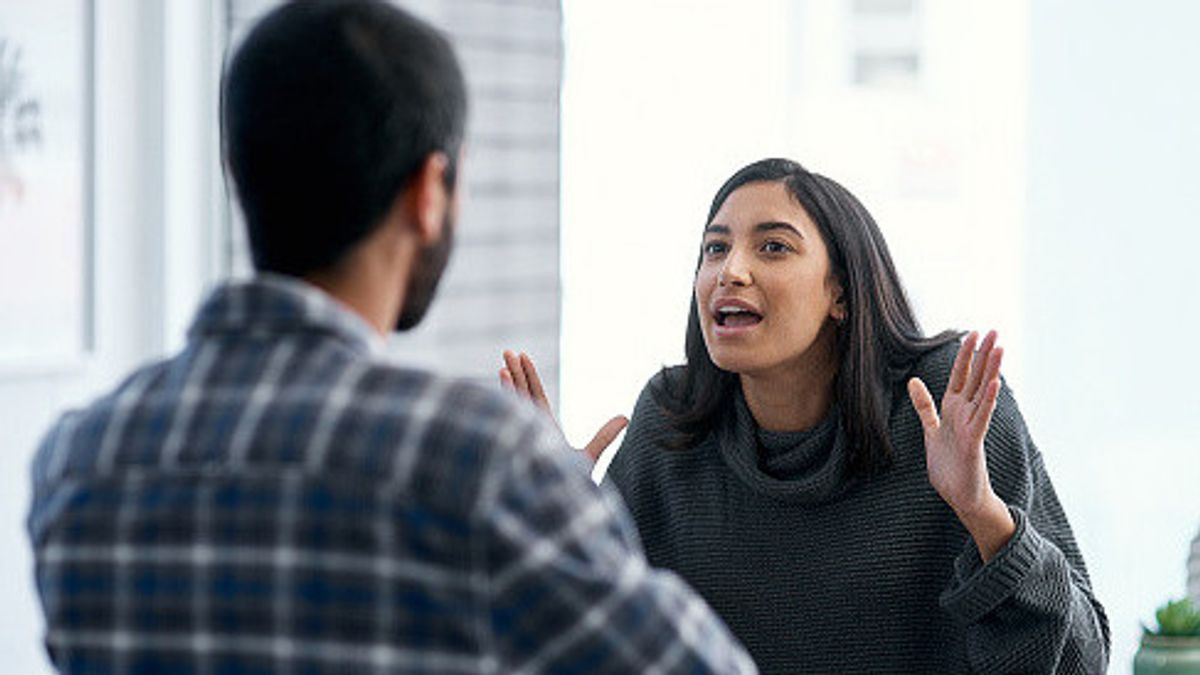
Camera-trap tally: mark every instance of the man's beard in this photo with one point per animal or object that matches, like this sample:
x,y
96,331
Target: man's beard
x,y
427,272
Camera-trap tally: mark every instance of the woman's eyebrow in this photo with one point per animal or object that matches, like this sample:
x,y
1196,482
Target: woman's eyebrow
x,y
777,225
714,228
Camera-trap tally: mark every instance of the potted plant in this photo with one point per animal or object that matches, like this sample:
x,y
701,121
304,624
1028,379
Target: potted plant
x,y
1174,649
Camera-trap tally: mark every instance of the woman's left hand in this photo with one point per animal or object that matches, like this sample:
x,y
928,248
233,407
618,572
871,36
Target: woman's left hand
x,y
954,454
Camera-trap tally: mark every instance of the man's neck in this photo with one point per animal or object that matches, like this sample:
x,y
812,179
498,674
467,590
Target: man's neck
x,y
371,280
357,298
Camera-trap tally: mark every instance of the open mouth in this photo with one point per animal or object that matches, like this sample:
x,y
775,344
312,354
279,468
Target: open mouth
x,y
736,317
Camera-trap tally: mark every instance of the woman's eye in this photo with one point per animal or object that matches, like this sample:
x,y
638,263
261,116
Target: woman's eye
x,y
714,248
775,247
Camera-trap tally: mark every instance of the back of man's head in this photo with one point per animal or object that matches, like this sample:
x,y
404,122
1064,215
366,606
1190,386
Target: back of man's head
x,y
330,107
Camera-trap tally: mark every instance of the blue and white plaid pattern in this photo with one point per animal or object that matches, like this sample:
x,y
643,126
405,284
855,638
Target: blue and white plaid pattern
x,y
276,499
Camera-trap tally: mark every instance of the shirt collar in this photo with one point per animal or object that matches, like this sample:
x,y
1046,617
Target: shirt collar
x,y
274,303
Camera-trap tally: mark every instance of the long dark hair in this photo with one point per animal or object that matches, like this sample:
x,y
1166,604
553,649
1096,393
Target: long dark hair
x,y
876,344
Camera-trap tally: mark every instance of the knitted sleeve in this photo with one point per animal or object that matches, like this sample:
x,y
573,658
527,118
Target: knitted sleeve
x,y
1031,607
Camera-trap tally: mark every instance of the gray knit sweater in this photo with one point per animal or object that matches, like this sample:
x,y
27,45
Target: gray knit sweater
x,y
819,573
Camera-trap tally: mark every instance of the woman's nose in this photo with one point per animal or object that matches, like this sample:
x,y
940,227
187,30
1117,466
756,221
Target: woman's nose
x,y
734,272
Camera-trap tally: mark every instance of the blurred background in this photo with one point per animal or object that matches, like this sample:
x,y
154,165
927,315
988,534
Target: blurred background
x,y
1030,163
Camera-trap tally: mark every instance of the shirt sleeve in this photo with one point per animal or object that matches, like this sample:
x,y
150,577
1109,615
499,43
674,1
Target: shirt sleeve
x,y
568,588
1031,607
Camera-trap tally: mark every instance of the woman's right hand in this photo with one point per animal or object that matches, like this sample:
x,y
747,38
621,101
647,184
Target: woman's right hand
x,y
520,376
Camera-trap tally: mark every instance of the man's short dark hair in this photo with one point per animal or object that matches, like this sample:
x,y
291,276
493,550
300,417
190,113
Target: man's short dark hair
x,y
329,109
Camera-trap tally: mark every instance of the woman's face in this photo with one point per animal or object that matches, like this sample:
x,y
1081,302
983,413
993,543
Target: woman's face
x,y
764,290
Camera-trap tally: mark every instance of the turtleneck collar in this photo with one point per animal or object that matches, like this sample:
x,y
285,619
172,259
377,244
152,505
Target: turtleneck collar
x,y
806,467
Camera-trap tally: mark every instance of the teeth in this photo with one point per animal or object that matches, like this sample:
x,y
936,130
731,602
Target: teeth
x,y
732,310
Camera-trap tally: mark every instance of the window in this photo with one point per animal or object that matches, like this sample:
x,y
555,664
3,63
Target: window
x,y
885,41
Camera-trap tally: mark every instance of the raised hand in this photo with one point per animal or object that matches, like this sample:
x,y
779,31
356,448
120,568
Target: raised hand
x,y
954,455
520,376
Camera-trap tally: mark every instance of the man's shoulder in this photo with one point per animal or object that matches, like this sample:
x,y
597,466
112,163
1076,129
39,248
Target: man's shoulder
x,y
344,416
401,392
129,392
76,436
448,432
439,413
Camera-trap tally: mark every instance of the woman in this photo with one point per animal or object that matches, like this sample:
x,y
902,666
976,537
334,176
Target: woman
x,y
797,472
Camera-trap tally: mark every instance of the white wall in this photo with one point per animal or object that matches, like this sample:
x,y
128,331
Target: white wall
x,y
940,162
661,102
1111,292
149,259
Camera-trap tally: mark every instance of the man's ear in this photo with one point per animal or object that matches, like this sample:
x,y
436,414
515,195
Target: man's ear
x,y
429,197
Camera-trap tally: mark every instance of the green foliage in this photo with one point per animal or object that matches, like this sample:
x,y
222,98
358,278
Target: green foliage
x,y
1179,618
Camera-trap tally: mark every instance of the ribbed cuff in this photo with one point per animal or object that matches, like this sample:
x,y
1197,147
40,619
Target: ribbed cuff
x,y
978,588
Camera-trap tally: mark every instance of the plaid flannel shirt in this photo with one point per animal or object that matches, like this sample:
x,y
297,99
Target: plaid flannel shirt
x,y
278,499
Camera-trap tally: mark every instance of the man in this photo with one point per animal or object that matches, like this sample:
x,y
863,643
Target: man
x,y
278,498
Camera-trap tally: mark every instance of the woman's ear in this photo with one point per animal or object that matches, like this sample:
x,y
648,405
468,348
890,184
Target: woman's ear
x,y
838,310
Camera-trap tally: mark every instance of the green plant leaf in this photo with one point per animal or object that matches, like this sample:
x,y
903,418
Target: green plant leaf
x,y
1178,618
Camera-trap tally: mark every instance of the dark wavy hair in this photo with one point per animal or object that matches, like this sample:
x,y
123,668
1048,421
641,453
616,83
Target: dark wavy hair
x,y
876,344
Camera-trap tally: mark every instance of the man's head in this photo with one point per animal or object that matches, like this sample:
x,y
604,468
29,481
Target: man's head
x,y
334,111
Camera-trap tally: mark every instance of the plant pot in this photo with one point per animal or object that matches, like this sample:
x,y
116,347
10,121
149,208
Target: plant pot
x,y
1165,655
